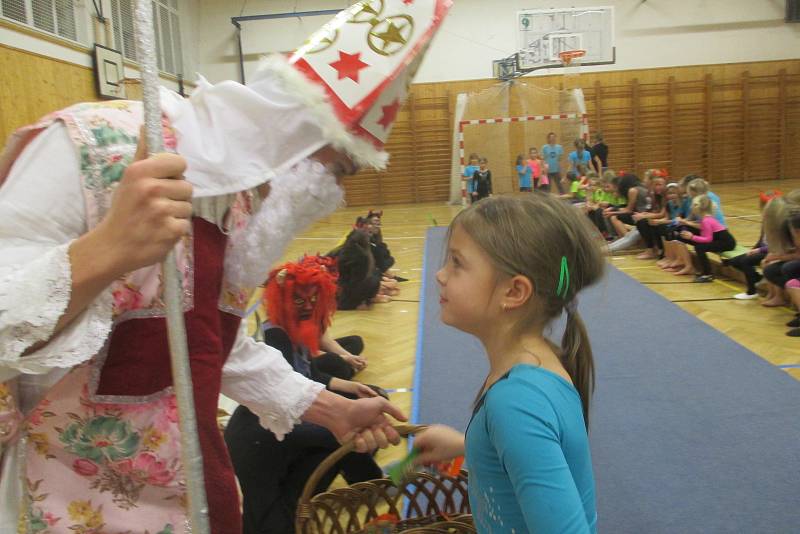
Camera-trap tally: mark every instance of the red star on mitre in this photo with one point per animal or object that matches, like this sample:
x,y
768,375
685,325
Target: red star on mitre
x,y
349,65
408,2
389,113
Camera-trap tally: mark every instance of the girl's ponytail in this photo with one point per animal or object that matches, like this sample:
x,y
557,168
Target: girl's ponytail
x,y
577,359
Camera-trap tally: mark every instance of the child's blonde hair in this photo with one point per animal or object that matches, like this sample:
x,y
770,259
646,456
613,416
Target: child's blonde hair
x,y
609,175
698,186
775,221
546,240
702,206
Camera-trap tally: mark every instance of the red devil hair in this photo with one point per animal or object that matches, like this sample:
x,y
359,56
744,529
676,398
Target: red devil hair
x,y
279,295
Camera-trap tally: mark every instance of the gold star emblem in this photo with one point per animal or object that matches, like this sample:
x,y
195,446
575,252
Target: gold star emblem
x,y
390,36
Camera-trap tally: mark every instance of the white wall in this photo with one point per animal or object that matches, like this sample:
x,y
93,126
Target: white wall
x,y
649,33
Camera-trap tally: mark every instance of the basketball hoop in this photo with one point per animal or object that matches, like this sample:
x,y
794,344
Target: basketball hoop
x,y
568,55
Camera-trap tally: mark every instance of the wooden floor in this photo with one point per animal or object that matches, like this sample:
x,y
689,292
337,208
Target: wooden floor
x,y
390,330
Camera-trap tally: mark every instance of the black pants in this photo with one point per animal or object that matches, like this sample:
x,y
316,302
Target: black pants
x,y
651,234
722,241
555,178
781,272
626,218
596,216
333,364
747,264
272,473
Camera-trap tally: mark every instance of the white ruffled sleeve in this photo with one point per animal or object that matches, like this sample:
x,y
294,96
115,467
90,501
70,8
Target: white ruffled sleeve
x,y
297,198
259,377
41,212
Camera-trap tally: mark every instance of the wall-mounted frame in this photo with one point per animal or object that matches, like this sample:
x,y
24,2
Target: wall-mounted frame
x,y
109,72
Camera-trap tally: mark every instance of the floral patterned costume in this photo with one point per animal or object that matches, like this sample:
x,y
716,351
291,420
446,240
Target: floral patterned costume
x,y
89,421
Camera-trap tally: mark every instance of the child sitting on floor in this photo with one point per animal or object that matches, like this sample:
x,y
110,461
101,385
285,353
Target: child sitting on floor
x,y
713,236
747,262
658,211
676,254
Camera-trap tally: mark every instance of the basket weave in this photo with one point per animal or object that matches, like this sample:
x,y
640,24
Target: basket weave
x,y
426,504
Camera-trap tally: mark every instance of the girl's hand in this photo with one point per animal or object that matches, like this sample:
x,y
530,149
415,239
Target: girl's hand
x,y
753,252
353,388
438,443
638,216
686,234
356,362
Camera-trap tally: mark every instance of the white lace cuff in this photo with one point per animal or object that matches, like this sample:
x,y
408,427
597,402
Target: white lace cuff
x,y
33,297
297,198
258,377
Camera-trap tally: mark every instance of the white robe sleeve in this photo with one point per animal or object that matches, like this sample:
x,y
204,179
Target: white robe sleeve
x,y
42,211
258,376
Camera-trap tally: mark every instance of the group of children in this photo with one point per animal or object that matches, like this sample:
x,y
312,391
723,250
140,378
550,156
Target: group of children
x,y
300,299
535,401
667,216
670,217
542,169
364,261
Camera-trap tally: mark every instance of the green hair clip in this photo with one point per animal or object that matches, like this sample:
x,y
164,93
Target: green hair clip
x,y
563,279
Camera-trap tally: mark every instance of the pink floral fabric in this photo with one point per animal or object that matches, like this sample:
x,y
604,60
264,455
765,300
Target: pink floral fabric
x,y
121,462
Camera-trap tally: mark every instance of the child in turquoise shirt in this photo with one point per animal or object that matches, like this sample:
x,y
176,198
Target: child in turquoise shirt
x,y
469,171
524,259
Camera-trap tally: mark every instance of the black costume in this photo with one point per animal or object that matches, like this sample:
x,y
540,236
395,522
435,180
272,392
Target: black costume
x,y
272,473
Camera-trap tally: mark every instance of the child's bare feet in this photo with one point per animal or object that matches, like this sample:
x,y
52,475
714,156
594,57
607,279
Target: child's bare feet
x,y
382,299
774,303
684,272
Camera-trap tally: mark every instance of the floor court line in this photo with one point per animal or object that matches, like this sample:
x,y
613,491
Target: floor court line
x,y
702,300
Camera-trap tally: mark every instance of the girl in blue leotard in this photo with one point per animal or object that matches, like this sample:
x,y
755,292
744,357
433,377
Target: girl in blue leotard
x,y
513,266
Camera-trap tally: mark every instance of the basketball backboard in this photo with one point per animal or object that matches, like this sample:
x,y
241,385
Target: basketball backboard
x,y
544,33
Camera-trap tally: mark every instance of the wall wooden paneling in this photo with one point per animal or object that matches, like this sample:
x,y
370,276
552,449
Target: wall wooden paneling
x,y
733,122
33,86
729,123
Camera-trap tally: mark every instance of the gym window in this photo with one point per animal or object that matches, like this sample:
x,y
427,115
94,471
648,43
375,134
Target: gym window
x,y
167,28
56,17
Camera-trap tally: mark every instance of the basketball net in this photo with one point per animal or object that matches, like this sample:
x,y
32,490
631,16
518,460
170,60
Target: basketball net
x,y
571,59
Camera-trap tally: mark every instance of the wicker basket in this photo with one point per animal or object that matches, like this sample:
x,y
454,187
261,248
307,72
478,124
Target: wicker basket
x,y
427,504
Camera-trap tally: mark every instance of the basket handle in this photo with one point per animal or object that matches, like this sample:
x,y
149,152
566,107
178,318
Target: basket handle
x,y
303,506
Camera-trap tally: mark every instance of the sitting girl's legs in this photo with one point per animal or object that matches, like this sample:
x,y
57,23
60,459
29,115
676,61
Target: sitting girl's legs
x,y
684,260
747,263
774,274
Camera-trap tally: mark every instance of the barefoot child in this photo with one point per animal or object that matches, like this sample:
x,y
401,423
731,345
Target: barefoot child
x,y
514,264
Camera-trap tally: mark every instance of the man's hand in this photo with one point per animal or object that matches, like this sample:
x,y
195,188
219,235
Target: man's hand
x,y
365,421
150,211
686,234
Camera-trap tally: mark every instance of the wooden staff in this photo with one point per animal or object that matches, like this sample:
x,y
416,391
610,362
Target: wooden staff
x,y
173,287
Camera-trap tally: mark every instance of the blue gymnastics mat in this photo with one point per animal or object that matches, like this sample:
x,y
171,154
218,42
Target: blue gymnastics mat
x,y
691,432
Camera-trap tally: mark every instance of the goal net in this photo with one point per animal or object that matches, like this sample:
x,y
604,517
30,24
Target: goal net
x,y
506,120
